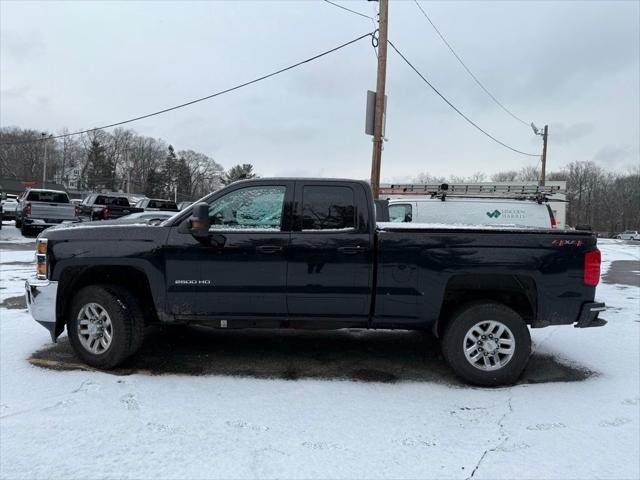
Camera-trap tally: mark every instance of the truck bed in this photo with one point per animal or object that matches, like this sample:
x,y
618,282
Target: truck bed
x,y
419,265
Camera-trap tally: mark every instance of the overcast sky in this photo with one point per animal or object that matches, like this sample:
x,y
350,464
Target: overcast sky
x,y
571,64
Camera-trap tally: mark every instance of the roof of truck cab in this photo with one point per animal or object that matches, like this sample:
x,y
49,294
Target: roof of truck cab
x,y
298,179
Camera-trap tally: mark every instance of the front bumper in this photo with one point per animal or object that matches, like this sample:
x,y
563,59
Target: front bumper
x,y
589,315
41,296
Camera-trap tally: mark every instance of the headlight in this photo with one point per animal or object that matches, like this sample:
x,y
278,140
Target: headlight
x,y
41,258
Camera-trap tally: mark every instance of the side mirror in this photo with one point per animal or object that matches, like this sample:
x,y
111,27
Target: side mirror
x,y
199,220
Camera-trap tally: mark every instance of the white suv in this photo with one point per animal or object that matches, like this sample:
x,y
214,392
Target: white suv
x,y
628,235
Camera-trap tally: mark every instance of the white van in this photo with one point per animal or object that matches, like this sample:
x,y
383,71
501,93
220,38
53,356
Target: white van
x,y
479,212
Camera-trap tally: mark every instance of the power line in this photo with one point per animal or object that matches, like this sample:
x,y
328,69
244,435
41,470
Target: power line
x,y
201,99
348,9
455,108
467,68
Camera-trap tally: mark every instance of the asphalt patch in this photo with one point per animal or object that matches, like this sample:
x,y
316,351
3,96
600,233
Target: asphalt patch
x,y
356,355
624,272
14,303
17,247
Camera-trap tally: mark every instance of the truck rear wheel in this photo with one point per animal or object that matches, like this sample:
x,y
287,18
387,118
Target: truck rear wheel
x,y
487,344
25,230
105,325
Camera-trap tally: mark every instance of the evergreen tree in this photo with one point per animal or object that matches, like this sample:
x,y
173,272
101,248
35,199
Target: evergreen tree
x,y
183,180
239,172
155,185
99,171
169,173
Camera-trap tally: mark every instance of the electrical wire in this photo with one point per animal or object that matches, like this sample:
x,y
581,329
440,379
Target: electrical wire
x,y
468,69
201,99
348,9
455,108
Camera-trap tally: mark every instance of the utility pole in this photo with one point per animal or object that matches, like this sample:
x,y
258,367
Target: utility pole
x,y
543,173
44,161
383,21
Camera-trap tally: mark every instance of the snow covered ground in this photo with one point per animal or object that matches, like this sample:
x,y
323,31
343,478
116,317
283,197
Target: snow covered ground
x,y
87,424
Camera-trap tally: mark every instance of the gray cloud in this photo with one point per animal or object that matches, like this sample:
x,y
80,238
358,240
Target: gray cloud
x,y
573,65
618,156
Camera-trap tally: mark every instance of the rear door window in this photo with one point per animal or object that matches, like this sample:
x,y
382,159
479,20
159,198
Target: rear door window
x,y
400,213
328,208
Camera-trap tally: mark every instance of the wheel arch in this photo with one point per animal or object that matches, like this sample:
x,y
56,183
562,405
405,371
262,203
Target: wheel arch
x,y
133,278
518,292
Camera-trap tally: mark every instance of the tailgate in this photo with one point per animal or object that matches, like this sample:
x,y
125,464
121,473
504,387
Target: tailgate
x,y
53,212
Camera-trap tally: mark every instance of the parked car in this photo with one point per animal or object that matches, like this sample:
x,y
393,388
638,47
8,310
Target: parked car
x,y
472,211
307,253
9,207
103,206
39,209
183,205
629,235
157,204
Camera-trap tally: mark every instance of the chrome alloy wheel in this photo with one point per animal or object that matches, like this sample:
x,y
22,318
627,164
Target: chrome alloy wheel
x,y
95,330
489,345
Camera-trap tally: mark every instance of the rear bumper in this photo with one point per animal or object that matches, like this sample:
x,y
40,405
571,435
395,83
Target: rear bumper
x,y
41,296
589,315
40,222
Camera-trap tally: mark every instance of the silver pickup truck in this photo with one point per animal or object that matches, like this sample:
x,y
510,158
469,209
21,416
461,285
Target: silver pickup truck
x,y
39,209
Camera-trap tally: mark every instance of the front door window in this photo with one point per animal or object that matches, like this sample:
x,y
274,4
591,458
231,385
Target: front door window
x,y
248,209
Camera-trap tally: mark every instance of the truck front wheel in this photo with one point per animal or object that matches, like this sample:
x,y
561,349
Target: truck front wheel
x,y
105,325
487,344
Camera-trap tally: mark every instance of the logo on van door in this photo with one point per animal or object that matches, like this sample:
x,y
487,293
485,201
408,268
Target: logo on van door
x,y
494,214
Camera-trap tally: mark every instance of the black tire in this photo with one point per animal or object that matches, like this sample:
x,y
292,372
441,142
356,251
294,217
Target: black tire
x,y
462,321
127,324
25,230
18,223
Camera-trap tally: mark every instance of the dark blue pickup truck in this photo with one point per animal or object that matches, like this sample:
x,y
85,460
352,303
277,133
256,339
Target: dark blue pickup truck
x,y
308,253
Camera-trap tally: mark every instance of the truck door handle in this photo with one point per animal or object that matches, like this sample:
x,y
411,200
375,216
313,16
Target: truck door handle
x,y
269,248
351,249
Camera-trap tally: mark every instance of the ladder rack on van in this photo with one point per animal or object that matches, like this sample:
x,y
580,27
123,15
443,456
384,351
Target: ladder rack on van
x,y
514,192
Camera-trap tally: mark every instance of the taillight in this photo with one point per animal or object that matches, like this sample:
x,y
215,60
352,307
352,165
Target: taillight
x,y
554,223
105,213
592,267
27,208
77,211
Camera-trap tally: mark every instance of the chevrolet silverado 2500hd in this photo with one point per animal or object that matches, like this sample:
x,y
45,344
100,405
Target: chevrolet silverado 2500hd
x,y
308,253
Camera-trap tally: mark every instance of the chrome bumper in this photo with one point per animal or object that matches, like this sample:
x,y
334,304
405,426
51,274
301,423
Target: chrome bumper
x,y
41,298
